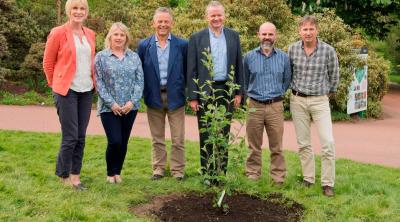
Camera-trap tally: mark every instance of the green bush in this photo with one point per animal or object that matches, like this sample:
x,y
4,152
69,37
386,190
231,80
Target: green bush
x,y
378,79
18,30
32,70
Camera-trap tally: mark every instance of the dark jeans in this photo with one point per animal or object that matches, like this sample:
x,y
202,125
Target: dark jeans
x,y
74,112
118,129
206,150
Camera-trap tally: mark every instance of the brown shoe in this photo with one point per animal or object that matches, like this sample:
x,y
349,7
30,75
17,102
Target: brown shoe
x,y
306,183
328,191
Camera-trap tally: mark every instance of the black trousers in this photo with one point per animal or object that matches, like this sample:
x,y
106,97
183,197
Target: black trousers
x,y
118,129
206,150
74,113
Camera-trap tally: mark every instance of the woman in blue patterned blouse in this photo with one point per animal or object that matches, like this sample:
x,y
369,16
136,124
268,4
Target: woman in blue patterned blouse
x,y
119,80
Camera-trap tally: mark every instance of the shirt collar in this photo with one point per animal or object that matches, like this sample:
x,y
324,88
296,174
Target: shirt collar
x,y
109,52
316,47
169,37
258,49
213,34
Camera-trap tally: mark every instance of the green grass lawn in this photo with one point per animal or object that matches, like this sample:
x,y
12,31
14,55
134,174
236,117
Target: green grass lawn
x,y
29,190
395,78
28,98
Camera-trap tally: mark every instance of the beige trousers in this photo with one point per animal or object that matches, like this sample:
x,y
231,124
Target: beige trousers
x,y
176,120
316,109
269,117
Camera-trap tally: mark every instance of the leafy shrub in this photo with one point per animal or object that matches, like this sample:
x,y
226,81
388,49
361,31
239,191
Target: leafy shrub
x,y
19,31
31,69
378,79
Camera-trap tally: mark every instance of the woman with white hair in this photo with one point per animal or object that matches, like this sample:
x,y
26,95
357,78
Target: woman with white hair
x,y
68,65
119,78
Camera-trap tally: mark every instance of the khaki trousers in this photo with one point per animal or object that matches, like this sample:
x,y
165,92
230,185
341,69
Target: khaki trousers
x,y
316,109
176,119
270,117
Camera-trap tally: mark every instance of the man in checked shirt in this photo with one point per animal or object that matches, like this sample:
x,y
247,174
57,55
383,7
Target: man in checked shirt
x,y
315,69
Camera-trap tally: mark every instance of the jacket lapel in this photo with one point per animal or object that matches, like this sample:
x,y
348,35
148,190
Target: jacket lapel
x,y
154,57
90,39
70,39
228,40
173,51
205,41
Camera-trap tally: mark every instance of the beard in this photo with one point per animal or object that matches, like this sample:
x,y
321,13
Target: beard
x,y
267,44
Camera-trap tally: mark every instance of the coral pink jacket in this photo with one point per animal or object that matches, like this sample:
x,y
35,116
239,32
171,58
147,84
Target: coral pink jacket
x,y
59,60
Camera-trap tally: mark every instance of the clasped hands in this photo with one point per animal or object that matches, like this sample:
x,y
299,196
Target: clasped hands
x,y
119,111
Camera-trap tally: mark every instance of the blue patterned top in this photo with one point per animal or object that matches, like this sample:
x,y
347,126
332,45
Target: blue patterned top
x,y
118,81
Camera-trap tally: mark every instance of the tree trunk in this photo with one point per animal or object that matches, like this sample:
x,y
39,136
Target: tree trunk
x,y
58,4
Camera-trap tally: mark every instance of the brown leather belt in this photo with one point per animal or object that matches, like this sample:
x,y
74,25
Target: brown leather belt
x,y
269,101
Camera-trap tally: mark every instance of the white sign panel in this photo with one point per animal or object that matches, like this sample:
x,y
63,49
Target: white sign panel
x,y
358,96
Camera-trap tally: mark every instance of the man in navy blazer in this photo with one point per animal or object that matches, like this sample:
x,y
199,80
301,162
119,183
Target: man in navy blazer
x,y
224,45
163,58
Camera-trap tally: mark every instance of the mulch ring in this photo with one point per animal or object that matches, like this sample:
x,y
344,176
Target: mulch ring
x,y
194,207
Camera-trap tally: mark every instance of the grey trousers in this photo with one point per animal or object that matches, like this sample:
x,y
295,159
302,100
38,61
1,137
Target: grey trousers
x,y
74,112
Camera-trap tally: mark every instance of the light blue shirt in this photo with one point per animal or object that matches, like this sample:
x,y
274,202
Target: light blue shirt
x,y
266,77
118,81
219,56
163,57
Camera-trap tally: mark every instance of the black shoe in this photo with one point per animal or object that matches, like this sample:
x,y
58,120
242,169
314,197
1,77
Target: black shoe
x,y
179,178
156,177
79,187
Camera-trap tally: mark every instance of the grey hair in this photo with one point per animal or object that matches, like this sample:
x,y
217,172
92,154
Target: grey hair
x,y
214,4
163,10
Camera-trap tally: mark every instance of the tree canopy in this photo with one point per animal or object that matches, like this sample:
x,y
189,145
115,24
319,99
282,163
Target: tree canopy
x,y
376,17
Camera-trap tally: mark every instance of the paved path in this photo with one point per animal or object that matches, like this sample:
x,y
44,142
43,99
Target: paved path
x,y
368,141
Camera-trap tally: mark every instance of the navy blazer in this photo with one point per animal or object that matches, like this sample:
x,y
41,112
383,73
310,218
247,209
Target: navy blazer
x,y
176,79
198,43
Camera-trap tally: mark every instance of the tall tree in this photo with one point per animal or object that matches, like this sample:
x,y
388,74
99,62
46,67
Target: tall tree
x,y
58,4
376,17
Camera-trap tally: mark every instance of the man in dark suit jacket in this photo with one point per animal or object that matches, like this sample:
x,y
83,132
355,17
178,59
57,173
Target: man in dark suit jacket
x,y
163,58
224,45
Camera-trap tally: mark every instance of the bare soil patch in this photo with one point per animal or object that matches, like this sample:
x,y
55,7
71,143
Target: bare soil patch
x,y
14,88
193,207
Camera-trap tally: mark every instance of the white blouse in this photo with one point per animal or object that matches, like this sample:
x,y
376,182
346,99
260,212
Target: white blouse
x,y
82,81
